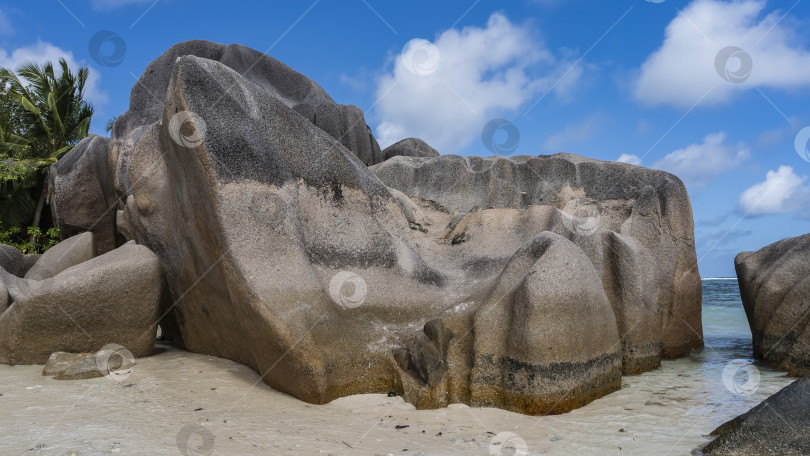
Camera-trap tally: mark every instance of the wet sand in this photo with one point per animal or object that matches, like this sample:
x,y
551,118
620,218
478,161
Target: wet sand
x,y
176,403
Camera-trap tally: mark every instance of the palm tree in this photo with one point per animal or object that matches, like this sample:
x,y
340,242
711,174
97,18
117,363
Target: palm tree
x,y
53,118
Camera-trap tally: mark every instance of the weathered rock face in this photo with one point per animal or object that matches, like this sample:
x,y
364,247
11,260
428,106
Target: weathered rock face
x,y
527,283
409,147
775,290
83,194
778,425
626,219
112,298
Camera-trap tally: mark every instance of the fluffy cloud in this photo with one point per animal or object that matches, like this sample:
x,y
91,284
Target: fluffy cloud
x,y
684,69
629,158
782,191
446,91
698,164
42,52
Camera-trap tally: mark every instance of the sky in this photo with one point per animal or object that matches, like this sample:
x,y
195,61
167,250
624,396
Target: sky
x,y
715,91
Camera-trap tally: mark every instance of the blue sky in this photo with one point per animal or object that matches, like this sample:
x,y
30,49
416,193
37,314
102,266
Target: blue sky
x,y
715,91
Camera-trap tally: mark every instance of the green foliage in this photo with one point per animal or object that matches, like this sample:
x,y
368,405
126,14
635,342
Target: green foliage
x,y
53,117
42,117
31,241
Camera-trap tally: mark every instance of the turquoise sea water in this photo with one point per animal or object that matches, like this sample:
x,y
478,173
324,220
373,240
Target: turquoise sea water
x,y
725,326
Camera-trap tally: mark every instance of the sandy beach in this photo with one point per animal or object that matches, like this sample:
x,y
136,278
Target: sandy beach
x,y
208,405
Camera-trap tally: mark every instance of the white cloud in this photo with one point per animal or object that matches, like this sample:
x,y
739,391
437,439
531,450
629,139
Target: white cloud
x,y
445,92
573,134
698,164
108,5
630,159
782,191
44,51
683,70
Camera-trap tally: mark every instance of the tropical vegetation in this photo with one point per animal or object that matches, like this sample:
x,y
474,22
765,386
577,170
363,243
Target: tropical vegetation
x,y
43,115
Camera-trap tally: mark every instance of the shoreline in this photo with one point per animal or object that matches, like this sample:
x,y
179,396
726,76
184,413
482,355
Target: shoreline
x,y
176,395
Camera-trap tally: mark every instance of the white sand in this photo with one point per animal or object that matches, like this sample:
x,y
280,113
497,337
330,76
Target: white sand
x,y
668,411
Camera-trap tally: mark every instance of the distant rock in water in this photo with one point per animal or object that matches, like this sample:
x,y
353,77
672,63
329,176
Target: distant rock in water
x,y
775,290
778,425
291,244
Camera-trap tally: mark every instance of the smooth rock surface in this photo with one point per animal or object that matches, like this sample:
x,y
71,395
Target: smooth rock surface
x,y
83,193
68,253
112,298
779,425
285,252
775,290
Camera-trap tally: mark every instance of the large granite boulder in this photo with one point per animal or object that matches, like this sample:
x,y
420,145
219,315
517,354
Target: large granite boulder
x,y
775,290
112,298
778,425
409,147
625,218
83,194
527,283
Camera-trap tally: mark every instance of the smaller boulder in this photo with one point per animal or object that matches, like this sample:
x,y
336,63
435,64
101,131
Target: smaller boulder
x,y
78,366
775,291
778,425
113,298
410,147
68,253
